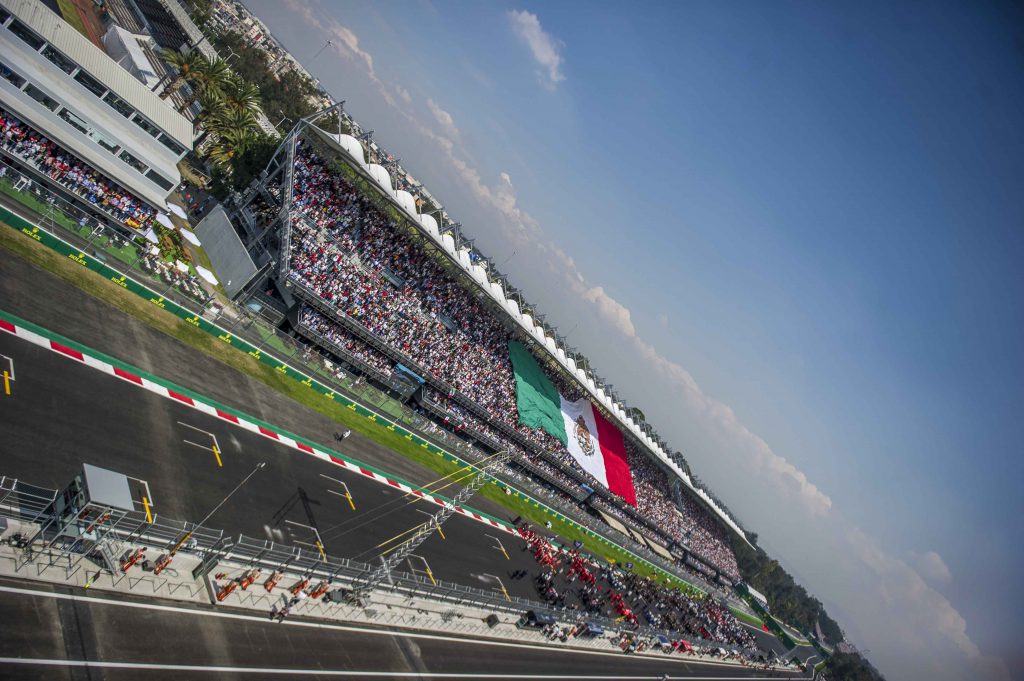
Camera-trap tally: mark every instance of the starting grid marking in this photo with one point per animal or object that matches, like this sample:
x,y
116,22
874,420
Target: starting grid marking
x,y
243,422
8,369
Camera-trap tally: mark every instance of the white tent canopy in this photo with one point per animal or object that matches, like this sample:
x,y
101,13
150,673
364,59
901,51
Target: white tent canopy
x,y
190,237
206,274
177,210
164,220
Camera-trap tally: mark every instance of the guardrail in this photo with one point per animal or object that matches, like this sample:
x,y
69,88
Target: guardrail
x,y
24,502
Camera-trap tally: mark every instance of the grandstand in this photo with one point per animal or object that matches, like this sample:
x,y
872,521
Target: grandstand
x,y
403,298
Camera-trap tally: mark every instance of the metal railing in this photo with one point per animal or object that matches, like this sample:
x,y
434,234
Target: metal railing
x,y
129,528
24,502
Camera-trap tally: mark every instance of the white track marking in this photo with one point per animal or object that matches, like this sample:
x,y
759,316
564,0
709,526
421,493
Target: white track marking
x,y
340,627
348,673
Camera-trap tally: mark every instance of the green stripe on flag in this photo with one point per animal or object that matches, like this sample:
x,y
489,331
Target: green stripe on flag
x,y
537,399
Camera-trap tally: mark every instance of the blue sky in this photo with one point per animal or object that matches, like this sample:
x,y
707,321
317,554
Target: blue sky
x,y
790,232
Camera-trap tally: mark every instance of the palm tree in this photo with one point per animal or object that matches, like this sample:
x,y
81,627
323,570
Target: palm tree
x,y
212,103
230,126
230,142
185,64
242,95
231,118
212,75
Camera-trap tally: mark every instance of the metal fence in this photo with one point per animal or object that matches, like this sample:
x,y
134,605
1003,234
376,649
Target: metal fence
x,y
213,548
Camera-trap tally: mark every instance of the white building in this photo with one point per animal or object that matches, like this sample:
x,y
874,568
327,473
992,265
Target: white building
x,y
60,83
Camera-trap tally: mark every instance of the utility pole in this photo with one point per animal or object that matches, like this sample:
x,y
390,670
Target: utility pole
x,y
389,562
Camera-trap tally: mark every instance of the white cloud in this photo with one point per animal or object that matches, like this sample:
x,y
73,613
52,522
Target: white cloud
x,y
614,312
345,43
444,119
403,94
546,50
787,478
663,319
350,43
932,568
923,609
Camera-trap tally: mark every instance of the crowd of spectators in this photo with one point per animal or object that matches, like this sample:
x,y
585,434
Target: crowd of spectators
x,y
691,525
31,146
569,578
345,340
354,257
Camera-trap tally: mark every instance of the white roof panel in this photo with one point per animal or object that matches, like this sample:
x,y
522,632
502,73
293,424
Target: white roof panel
x,y
79,49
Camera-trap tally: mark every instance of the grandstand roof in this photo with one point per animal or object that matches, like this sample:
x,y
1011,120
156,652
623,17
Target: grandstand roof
x,y
78,48
460,254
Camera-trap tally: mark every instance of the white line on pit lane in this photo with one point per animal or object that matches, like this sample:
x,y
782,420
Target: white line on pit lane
x,y
345,672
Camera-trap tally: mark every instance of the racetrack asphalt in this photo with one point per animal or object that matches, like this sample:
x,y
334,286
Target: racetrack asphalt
x,y
55,625
63,414
145,437
37,296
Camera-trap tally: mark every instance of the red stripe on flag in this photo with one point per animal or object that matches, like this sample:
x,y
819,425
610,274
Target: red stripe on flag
x,y
616,466
227,417
268,433
7,326
127,376
66,350
181,398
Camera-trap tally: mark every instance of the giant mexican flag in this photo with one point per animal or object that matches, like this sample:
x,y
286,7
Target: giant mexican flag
x,y
591,439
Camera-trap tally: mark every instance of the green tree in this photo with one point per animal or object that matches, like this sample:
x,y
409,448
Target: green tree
x,y
244,165
213,75
851,667
242,96
185,64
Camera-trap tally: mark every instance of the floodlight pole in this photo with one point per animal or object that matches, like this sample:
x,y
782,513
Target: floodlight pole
x,y
390,561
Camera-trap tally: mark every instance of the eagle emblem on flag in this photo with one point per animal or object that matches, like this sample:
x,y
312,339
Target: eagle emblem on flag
x,y
583,436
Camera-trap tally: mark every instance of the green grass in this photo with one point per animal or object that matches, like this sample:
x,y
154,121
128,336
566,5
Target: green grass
x,y
443,464
71,15
32,203
748,618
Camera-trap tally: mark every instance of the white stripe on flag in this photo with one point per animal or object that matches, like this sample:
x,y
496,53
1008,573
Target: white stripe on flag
x,y
581,430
